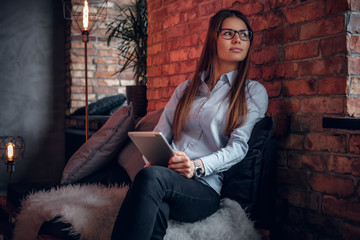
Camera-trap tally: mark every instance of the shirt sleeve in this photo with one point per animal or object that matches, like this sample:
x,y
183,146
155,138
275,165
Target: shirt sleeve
x,y
166,119
237,147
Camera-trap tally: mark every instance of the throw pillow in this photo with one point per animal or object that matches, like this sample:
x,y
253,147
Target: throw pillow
x,y
130,157
101,147
241,181
103,106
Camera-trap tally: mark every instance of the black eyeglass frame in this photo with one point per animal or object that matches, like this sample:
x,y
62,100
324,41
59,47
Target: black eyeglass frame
x,y
238,32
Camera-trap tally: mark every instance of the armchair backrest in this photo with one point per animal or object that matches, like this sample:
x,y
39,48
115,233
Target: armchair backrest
x,y
251,182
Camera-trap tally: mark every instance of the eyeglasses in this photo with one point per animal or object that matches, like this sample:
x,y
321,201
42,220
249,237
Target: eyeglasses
x,y
229,34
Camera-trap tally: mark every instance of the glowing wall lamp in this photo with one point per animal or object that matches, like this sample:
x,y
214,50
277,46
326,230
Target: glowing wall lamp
x,y
11,152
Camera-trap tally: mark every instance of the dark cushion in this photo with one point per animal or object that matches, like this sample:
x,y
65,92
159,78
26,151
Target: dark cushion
x,y
103,106
130,157
102,147
241,181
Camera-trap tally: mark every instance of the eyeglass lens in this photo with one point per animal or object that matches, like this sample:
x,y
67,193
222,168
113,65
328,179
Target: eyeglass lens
x,y
229,34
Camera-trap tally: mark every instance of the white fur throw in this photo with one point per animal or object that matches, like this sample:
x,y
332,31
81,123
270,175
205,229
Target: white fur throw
x,y
92,209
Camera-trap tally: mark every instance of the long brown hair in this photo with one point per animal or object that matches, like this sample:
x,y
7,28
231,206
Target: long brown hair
x,y
237,99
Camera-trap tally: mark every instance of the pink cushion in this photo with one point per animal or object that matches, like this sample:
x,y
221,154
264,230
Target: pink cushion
x,y
101,147
130,157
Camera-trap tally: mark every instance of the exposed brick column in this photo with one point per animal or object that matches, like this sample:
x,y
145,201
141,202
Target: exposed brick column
x,y
353,29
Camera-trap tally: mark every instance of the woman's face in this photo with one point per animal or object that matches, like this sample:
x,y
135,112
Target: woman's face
x,y
235,50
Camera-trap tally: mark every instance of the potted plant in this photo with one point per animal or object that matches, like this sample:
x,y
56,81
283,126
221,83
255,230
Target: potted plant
x,y
129,30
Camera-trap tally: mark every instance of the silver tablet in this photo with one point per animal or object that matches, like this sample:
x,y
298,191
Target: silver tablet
x,y
153,146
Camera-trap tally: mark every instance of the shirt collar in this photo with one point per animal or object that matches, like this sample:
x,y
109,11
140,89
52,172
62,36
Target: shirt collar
x,y
230,76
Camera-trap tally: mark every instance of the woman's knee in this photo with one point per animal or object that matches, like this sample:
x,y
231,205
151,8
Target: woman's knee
x,y
150,175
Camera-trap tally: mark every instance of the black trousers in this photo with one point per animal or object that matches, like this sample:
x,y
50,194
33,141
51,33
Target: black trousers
x,y
157,194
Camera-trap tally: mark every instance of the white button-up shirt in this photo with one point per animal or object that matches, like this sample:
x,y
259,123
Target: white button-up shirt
x,y
203,134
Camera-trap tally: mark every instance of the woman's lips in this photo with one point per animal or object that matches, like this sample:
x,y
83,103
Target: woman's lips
x,y
236,50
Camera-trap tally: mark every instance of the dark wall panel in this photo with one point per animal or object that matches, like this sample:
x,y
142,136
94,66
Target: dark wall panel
x,y
32,86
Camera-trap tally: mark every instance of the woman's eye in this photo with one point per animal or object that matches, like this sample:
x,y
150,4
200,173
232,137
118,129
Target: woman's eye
x,y
227,33
245,34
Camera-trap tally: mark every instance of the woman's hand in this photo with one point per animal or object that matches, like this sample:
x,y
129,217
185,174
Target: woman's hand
x,y
182,164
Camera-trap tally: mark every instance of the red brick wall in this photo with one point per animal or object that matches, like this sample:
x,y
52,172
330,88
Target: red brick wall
x,y
103,61
306,53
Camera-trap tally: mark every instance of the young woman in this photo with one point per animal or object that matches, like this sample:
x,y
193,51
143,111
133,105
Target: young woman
x,y
207,121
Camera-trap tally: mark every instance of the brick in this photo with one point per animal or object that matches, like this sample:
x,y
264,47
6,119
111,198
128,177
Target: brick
x,y
282,35
355,167
153,6
354,23
290,70
250,8
209,8
322,27
291,141
336,6
340,164
107,75
157,37
105,61
160,82
154,71
178,55
295,178
294,160
323,224
332,86
354,44
354,5
177,31
254,72
329,143
282,123
285,105
317,162
350,231
267,20
179,6
171,21
355,86
187,67
354,65
328,66
282,3
189,15
354,144
273,88
197,26
341,208
170,69
257,40
266,55
303,199
322,105
306,123
332,46
271,72
299,87
108,82
299,51
194,52
154,49
177,79
352,107
160,59
343,187
306,12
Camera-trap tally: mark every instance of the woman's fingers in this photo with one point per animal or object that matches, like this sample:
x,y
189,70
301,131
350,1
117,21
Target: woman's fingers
x,y
182,164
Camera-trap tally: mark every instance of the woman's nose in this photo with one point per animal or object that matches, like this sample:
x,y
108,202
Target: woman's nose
x,y
236,38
